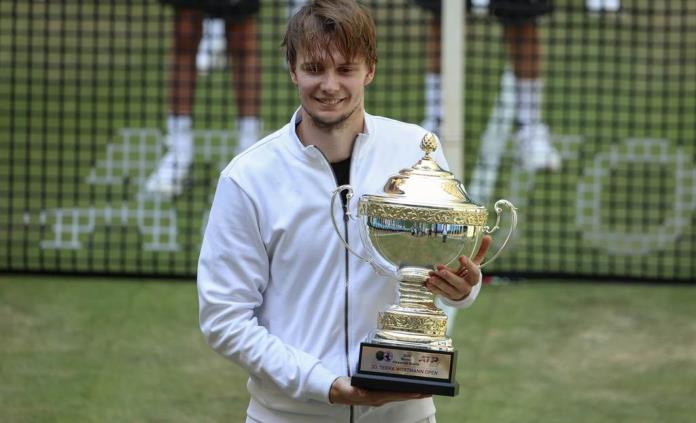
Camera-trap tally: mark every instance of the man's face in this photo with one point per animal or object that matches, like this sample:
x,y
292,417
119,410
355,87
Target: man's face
x,y
331,91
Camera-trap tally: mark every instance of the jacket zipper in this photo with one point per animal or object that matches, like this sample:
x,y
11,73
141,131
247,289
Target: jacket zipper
x,y
345,234
345,312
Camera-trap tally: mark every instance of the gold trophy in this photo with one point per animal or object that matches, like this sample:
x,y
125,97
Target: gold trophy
x,y
424,217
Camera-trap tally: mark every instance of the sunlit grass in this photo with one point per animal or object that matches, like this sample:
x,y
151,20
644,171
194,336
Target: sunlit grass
x,y
115,350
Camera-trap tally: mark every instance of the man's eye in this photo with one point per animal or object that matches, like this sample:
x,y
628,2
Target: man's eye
x,y
312,68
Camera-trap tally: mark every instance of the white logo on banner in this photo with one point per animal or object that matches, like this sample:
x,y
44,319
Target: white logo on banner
x,y
677,212
128,163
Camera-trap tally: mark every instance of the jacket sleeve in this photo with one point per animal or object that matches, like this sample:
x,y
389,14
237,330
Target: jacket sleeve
x,y
233,272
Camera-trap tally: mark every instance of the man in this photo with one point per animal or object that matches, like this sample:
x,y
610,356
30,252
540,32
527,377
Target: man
x,y
172,170
534,150
278,292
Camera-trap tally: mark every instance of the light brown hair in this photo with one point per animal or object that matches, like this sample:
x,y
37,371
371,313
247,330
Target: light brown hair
x,y
324,25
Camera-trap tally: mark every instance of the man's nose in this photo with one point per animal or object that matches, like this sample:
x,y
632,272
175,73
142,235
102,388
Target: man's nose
x,y
329,82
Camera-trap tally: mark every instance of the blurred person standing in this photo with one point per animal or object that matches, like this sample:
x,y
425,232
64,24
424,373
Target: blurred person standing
x,y
533,147
172,170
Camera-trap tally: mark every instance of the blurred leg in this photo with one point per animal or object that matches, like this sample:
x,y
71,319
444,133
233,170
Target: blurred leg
x,y
433,79
173,167
242,46
181,79
534,148
524,49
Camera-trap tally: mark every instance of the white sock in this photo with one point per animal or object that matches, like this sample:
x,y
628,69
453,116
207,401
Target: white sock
x,y
213,38
211,48
248,129
180,137
215,28
603,5
176,124
433,96
529,93
612,5
593,5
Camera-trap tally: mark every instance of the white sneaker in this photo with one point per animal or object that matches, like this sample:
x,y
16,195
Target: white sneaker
x,y
169,177
534,149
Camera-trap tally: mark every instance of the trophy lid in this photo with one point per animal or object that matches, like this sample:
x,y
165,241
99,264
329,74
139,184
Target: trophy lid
x,y
426,193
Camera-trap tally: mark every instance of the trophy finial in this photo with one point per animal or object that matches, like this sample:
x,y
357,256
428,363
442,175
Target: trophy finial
x,y
428,143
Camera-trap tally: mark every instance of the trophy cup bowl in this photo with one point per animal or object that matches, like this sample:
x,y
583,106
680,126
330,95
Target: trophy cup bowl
x,y
424,217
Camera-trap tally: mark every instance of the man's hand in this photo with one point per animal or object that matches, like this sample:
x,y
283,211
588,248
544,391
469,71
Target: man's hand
x,y
343,393
457,284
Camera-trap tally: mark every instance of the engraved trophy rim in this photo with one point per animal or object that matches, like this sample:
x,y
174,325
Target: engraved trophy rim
x,y
424,192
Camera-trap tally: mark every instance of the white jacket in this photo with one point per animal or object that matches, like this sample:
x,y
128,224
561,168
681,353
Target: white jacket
x,y
279,294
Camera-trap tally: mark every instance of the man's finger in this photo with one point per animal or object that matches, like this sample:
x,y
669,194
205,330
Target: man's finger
x,y
466,271
483,249
450,277
442,288
377,398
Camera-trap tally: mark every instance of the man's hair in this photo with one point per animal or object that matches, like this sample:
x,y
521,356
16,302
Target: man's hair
x,y
321,26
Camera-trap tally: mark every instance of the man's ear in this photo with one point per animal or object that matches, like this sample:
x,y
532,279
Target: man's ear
x,y
370,75
293,75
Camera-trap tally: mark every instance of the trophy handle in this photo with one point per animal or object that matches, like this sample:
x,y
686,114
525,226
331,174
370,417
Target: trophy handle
x,y
347,215
488,230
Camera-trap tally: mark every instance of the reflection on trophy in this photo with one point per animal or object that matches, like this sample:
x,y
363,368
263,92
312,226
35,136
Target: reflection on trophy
x,y
423,218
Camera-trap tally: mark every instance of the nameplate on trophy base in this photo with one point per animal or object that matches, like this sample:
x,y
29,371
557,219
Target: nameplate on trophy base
x,y
404,369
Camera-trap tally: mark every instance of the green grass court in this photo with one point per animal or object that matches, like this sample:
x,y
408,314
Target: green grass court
x,y
115,350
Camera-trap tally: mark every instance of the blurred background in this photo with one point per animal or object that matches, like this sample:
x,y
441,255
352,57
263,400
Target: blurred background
x,y
584,117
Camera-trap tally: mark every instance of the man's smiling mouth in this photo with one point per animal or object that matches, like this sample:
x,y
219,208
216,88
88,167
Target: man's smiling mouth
x,y
329,101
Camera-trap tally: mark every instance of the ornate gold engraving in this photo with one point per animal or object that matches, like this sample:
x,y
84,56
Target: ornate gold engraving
x,y
474,217
415,323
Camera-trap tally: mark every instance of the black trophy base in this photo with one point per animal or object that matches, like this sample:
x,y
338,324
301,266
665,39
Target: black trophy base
x,y
385,367
399,384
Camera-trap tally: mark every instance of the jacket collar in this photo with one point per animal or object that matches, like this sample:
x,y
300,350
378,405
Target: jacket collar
x,y
310,152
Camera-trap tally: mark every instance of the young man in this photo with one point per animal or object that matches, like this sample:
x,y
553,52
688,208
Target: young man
x,y
521,32
240,29
278,292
